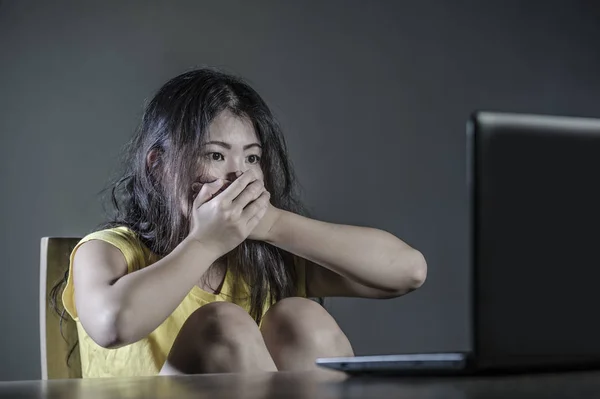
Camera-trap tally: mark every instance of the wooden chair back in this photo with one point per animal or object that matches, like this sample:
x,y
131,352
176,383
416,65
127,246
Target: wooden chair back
x,y
57,338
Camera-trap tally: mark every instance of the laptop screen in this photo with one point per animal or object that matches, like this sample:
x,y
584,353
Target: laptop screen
x,y
534,186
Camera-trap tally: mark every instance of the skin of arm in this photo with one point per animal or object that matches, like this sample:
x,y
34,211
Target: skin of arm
x,y
116,308
346,260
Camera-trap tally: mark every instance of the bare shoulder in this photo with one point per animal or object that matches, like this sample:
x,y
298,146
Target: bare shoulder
x,y
98,261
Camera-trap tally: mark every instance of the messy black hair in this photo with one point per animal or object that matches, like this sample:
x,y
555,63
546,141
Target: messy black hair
x,y
146,198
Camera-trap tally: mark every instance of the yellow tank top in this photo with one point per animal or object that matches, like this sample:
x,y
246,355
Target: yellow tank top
x,y
147,356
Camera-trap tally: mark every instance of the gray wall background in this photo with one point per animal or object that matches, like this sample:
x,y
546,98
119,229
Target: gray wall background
x,y
373,97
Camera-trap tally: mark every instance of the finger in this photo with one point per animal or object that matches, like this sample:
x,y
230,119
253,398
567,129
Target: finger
x,y
250,193
207,191
226,183
256,209
235,189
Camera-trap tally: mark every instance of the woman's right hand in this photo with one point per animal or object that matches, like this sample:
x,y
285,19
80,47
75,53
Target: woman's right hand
x,y
224,221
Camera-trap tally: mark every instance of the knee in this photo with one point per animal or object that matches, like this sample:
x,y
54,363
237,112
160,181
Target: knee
x,y
302,322
218,337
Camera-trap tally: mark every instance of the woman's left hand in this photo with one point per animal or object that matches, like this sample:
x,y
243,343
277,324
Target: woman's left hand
x,y
263,231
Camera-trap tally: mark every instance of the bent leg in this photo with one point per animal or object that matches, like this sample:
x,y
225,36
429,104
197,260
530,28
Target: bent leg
x,y
297,331
218,338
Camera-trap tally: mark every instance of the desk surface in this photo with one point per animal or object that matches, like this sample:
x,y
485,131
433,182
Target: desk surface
x,y
310,385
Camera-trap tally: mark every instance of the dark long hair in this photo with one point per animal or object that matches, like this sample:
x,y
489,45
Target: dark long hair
x,y
147,198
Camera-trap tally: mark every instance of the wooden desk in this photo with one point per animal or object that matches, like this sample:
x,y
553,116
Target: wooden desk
x,y
309,385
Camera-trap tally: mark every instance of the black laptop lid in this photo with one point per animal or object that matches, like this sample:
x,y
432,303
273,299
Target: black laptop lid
x,y
535,191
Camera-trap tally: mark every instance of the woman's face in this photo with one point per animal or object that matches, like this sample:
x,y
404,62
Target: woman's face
x,y
231,147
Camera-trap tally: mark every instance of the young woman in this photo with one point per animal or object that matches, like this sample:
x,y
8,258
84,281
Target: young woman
x,y
208,262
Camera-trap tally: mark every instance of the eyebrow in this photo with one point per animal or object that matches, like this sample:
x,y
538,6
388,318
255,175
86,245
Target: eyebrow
x,y
228,146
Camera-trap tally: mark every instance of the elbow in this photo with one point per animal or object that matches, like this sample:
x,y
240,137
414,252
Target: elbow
x,y
417,270
413,273
107,328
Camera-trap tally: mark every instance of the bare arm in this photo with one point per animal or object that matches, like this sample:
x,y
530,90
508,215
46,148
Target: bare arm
x,y
116,308
348,260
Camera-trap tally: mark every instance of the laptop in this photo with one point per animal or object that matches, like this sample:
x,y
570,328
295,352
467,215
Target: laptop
x,y
534,193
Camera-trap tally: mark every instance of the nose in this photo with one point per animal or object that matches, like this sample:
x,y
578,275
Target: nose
x,y
231,176
234,168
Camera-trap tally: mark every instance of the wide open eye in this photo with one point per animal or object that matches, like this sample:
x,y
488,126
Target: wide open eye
x,y
253,159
